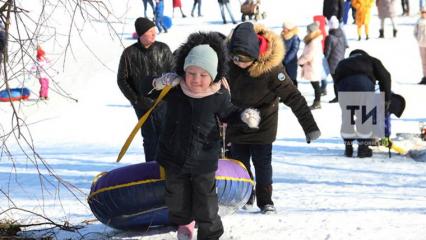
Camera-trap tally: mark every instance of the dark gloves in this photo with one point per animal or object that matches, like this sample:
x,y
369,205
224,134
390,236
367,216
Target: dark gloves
x,y
144,103
311,136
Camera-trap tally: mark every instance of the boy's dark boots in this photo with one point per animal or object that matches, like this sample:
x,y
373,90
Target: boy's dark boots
x,y
264,199
381,33
363,149
349,150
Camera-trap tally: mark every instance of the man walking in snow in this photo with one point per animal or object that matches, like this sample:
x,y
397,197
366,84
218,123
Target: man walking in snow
x,y
140,63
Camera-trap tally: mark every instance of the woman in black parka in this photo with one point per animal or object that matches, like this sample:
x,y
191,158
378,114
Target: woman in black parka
x,y
258,80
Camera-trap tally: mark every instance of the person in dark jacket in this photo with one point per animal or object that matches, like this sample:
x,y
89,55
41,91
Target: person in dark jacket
x,y
225,4
333,8
140,63
359,73
335,48
190,143
292,43
258,79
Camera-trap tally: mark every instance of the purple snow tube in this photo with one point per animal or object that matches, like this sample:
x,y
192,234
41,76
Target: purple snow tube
x,y
132,197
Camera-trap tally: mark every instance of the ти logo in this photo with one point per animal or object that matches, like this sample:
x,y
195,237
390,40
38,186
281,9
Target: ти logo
x,y
363,115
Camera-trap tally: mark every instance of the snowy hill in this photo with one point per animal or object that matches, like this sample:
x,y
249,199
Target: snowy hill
x,y
319,193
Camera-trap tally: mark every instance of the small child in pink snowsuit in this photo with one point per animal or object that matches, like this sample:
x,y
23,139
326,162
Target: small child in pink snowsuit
x,y
40,70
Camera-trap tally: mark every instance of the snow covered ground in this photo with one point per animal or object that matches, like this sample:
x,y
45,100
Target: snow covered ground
x,y
319,194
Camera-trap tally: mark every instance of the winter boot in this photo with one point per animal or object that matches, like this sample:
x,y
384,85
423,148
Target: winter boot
x,y
366,37
268,209
185,232
381,33
264,198
423,81
394,33
364,150
348,148
315,105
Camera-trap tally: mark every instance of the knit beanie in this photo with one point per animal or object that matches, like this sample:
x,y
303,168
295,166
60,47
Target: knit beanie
x,y
333,23
288,24
312,27
244,40
142,25
203,56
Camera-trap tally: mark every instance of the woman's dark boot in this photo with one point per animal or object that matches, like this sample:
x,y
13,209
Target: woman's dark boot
x,y
363,149
381,34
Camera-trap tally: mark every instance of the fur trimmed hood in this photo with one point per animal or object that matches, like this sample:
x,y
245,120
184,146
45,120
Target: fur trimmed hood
x,y
311,36
291,33
273,55
215,40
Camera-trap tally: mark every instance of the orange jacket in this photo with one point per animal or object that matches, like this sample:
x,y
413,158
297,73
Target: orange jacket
x,y
363,11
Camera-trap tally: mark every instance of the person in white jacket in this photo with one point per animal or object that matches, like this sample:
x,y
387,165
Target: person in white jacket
x,y
420,35
311,61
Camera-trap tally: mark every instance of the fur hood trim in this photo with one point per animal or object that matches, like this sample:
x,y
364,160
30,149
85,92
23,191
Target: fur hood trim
x,y
215,40
274,53
290,34
311,36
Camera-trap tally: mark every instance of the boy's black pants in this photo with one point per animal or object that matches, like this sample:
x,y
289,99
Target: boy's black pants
x,y
193,197
261,155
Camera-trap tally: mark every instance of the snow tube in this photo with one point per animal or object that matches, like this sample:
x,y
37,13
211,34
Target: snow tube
x,y
167,22
132,197
16,94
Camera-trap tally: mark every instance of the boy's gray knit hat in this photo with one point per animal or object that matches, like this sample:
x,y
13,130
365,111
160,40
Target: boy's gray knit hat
x,y
203,56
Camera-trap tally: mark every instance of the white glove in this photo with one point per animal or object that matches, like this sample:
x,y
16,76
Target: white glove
x,y
171,79
251,117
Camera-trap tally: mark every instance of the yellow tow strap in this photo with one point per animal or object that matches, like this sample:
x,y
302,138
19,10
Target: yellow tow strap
x,y
141,121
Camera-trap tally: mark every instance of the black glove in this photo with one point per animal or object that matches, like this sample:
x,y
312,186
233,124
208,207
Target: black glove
x,y
144,103
311,136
